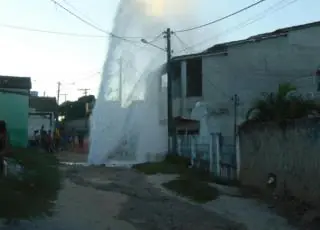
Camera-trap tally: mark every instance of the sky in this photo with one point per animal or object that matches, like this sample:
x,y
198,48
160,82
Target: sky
x,y
77,61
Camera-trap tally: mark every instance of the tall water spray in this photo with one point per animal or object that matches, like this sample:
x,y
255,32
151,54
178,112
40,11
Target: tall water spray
x,y
131,129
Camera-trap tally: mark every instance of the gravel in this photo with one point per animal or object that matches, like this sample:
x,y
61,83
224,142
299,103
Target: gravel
x,y
101,198
148,208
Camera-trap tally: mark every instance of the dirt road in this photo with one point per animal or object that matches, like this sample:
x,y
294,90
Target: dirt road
x,y
121,199
146,207
101,198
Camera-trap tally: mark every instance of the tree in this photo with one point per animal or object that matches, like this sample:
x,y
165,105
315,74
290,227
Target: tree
x,y
63,108
283,105
75,109
87,99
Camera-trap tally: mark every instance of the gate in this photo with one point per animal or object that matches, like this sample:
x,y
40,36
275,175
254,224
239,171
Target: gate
x,y
228,164
214,153
201,151
185,145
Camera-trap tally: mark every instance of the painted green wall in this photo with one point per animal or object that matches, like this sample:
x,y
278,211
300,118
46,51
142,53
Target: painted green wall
x,y
14,110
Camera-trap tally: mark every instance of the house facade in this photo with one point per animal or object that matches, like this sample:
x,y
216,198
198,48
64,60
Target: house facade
x,y
14,101
42,112
245,68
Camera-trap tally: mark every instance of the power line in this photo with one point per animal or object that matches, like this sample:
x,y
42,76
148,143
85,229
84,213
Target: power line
x,y
183,43
84,78
51,32
70,5
77,11
223,18
245,23
79,18
93,25
156,38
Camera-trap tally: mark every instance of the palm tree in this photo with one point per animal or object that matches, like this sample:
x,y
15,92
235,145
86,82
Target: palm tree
x,y
282,105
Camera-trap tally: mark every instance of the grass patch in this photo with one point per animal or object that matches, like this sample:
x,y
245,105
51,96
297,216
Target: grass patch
x,y
193,189
158,167
192,183
172,164
30,193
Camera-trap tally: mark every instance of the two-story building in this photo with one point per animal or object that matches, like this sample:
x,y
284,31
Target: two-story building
x,y
245,68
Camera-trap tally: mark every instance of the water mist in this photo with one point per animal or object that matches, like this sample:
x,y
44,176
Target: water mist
x,y
131,129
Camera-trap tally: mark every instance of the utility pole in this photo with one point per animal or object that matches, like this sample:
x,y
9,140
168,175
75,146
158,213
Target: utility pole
x,y
171,127
85,91
120,81
58,92
65,96
235,127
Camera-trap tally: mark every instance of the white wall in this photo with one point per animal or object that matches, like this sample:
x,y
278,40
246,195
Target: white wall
x,y
252,68
36,121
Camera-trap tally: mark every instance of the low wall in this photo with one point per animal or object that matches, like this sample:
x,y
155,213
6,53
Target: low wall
x,y
292,153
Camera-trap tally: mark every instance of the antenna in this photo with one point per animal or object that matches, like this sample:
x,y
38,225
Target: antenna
x,y
85,91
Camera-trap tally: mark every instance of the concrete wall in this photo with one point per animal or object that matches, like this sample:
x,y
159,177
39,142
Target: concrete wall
x,y
14,111
291,153
255,67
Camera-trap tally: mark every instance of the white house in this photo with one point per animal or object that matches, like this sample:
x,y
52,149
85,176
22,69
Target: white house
x,y
247,68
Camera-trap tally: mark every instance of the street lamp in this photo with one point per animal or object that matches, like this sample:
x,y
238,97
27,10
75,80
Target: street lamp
x,y
151,44
171,127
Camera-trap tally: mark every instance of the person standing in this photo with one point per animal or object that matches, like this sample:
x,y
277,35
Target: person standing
x,y
50,142
80,139
57,139
4,146
73,139
43,136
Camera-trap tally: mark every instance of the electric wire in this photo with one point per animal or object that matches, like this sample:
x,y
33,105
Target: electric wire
x,y
221,19
127,39
50,31
182,42
156,38
250,22
269,10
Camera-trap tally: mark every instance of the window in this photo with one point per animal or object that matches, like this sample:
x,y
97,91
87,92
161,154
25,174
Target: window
x,y
176,79
318,79
194,77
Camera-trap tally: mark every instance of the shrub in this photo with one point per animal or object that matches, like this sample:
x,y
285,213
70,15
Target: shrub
x,y
281,106
31,193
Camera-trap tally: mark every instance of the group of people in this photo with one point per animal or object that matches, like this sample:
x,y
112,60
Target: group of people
x,y
51,142
46,139
58,140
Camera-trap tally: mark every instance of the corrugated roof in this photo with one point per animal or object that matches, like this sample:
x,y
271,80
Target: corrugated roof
x,y
11,82
274,34
222,48
43,104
